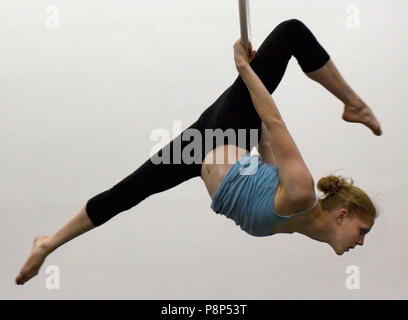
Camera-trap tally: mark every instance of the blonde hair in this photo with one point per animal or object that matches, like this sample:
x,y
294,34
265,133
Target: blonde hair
x,y
340,192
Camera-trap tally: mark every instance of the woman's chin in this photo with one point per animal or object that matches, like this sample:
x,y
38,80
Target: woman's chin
x,y
339,252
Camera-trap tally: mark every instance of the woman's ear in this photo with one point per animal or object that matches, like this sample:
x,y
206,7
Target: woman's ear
x,y
341,215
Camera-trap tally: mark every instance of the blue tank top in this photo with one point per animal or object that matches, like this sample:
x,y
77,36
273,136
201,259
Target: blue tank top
x,y
246,195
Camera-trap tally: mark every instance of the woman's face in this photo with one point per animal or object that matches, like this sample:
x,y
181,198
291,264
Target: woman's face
x,y
350,230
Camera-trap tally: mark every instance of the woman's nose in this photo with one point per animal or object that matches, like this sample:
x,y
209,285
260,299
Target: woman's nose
x,y
361,241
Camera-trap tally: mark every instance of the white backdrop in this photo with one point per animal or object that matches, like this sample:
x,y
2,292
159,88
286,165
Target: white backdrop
x,y
84,83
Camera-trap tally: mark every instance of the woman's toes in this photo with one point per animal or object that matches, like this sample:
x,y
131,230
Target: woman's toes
x,y
20,279
364,115
33,264
378,131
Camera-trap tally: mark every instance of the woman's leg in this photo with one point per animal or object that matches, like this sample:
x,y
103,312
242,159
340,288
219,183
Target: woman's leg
x,y
293,38
150,178
234,108
289,39
165,170
355,109
44,245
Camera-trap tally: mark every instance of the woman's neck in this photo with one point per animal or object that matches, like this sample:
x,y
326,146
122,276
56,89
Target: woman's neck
x,y
313,224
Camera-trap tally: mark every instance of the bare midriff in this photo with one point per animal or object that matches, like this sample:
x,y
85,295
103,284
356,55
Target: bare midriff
x,y
217,163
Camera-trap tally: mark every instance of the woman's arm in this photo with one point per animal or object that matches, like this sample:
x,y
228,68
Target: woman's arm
x,y
296,180
265,148
286,153
285,149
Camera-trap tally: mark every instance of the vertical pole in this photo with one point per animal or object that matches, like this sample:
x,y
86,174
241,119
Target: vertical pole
x,y
244,20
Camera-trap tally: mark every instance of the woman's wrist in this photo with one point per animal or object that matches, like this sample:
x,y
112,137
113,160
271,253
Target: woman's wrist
x,y
241,66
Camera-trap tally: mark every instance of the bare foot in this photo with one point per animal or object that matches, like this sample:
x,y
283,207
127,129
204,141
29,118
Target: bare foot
x,y
33,264
359,112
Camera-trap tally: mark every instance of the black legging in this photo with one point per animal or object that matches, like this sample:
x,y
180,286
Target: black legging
x,y
232,110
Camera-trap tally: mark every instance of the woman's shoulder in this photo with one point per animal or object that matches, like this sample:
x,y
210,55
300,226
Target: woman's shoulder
x,y
286,208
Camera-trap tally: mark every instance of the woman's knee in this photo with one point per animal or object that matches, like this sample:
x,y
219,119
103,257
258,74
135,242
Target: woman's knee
x,y
295,24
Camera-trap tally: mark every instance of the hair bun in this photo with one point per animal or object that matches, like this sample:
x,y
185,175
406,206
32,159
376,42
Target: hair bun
x,y
332,184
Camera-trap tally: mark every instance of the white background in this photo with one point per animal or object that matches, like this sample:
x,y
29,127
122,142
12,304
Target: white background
x,y
78,104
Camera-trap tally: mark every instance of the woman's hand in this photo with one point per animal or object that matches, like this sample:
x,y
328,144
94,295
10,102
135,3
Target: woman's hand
x,y
241,55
